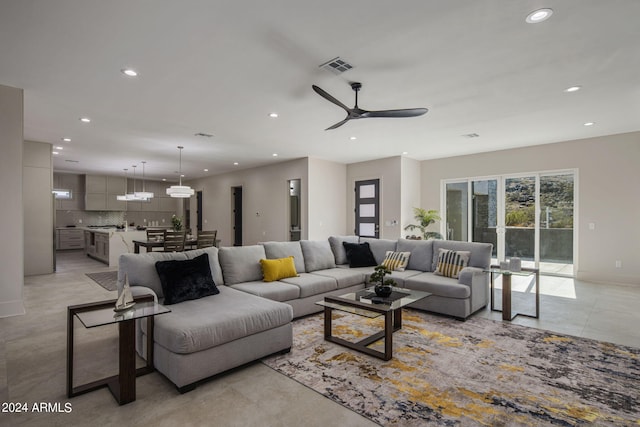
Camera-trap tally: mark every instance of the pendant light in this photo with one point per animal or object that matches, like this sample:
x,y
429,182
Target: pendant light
x,y
181,191
124,197
146,195
134,196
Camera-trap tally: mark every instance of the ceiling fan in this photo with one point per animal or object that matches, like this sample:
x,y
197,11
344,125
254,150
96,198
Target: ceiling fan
x,y
358,113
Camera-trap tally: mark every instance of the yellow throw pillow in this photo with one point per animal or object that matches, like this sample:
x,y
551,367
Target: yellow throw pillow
x,y
276,269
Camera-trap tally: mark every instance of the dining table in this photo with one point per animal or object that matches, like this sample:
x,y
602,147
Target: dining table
x,y
153,243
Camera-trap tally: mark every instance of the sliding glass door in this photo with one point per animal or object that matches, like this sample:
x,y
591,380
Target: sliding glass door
x,y
526,216
472,211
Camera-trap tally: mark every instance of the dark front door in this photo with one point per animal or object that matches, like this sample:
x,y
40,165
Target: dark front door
x,y
237,215
368,208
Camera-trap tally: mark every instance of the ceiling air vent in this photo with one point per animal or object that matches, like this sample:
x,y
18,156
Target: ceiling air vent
x,y
471,135
72,161
336,65
203,135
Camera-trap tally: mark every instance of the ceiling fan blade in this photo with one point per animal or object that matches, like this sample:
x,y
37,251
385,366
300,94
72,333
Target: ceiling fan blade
x,y
330,98
337,125
407,112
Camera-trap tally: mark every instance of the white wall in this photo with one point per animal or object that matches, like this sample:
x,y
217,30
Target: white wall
x,y
327,192
37,178
410,193
265,193
608,195
12,255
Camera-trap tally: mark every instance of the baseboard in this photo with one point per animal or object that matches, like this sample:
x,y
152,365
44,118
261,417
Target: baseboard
x,y
12,308
611,280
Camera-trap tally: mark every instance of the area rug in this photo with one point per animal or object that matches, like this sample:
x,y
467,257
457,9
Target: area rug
x,y
480,372
106,279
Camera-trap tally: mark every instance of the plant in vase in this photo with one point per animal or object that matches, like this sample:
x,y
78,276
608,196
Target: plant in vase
x,y
382,287
176,222
425,219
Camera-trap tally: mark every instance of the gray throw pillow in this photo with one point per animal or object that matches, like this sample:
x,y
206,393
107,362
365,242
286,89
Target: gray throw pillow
x,y
317,255
339,252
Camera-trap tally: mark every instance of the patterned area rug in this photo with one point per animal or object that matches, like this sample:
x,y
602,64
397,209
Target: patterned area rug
x,y
480,372
107,279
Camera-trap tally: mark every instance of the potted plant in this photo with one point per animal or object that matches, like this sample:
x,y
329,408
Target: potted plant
x,y
382,288
425,218
176,222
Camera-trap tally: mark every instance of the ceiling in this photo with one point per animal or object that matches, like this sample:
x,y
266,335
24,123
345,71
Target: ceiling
x,y
220,67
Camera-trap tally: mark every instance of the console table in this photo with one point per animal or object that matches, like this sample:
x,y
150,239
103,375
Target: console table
x,y
123,385
507,312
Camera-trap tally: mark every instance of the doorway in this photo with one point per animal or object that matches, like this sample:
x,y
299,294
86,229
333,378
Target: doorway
x,y
236,196
199,211
294,210
367,208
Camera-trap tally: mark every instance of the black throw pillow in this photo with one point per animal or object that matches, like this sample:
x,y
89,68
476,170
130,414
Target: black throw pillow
x,y
184,280
359,254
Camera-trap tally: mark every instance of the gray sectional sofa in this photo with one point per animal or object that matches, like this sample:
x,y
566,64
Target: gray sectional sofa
x,y
250,319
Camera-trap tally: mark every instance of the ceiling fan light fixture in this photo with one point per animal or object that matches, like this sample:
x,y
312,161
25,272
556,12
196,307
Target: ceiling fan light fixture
x,y
180,191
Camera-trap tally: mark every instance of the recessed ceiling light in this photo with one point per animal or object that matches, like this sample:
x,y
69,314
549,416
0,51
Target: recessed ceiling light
x,y
66,139
206,170
235,163
164,179
85,119
55,152
589,123
273,115
539,15
59,148
129,72
353,138
275,154
573,89
404,153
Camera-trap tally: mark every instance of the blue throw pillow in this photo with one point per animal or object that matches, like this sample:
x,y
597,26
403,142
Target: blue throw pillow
x,y
184,280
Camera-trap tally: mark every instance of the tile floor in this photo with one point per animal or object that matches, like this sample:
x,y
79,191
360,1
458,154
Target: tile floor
x,y
33,351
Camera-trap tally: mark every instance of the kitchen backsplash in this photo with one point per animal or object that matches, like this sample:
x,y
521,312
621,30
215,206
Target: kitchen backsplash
x,y
86,218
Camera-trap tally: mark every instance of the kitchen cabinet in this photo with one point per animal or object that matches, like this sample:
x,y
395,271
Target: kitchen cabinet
x,y
69,238
97,245
95,184
73,183
101,192
102,247
90,243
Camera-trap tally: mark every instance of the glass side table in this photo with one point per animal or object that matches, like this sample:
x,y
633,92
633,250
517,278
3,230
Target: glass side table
x,y
507,310
123,385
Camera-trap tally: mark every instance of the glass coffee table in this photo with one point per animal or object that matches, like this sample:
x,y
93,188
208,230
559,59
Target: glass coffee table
x,y
123,385
362,304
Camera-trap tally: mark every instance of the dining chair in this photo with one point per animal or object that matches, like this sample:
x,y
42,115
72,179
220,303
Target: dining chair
x,y
174,240
206,238
154,234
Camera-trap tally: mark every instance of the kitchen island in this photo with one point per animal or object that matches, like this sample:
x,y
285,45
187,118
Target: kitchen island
x,y
107,244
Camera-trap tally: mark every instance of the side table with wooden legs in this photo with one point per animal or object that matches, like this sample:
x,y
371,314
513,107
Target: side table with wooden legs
x,y
507,309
